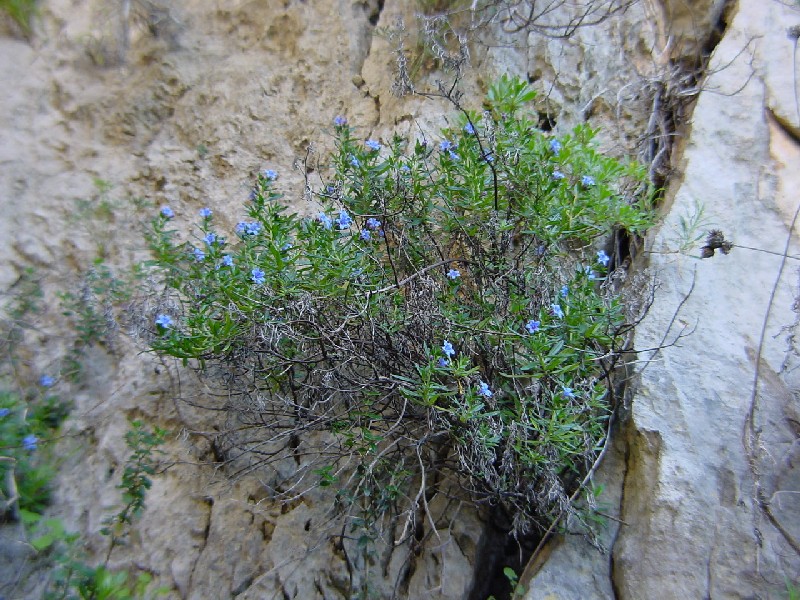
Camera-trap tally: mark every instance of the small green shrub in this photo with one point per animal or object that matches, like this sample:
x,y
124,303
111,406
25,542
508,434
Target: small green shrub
x,y
22,11
26,467
141,465
32,410
444,320
72,576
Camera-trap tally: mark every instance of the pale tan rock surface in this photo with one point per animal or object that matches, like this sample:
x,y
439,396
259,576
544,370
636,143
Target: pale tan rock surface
x,y
695,472
228,88
692,498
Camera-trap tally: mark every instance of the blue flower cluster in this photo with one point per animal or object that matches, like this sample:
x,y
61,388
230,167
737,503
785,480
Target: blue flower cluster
x,y
603,258
164,321
258,276
555,146
373,145
344,219
532,326
166,212
340,121
325,220
270,175
453,274
243,228
29,442
448,349
206,213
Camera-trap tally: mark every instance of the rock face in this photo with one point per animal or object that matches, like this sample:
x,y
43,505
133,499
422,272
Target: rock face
x,y
700,486
710,501
709,504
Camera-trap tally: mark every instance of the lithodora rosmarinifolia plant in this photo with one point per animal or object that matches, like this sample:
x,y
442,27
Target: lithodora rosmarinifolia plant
x,y
444,316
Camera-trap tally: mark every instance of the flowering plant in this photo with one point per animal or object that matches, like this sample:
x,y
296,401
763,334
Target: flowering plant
x,y
446,319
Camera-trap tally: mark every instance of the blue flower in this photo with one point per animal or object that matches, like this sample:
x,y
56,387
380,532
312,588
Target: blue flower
x,y
354,161
210,238
454,274
555,146
587,180
556,310
166,212
557,175
453,155
446,146
447,348
199,255
340,121
270,175
258,276
227,260
29,442
373,223
245,228
4,412
567,392
164,321
488,157
442,363
469,129
532,326
589,273
564,291
603,258
344,220
325,220
206,213
365,235
483,390
286,246
46,381
405,169
373,144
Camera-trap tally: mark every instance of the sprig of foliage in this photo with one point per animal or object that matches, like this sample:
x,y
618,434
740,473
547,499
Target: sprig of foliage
x,y
136,477
73,577
22,11
27,468
447,313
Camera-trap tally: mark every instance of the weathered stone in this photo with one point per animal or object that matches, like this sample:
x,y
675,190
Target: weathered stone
x,y
693,494
227,89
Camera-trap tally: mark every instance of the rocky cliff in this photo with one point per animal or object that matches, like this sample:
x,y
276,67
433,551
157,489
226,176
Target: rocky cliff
x,y
183,104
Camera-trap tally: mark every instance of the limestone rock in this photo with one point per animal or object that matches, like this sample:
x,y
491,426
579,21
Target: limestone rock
x,y
208,93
